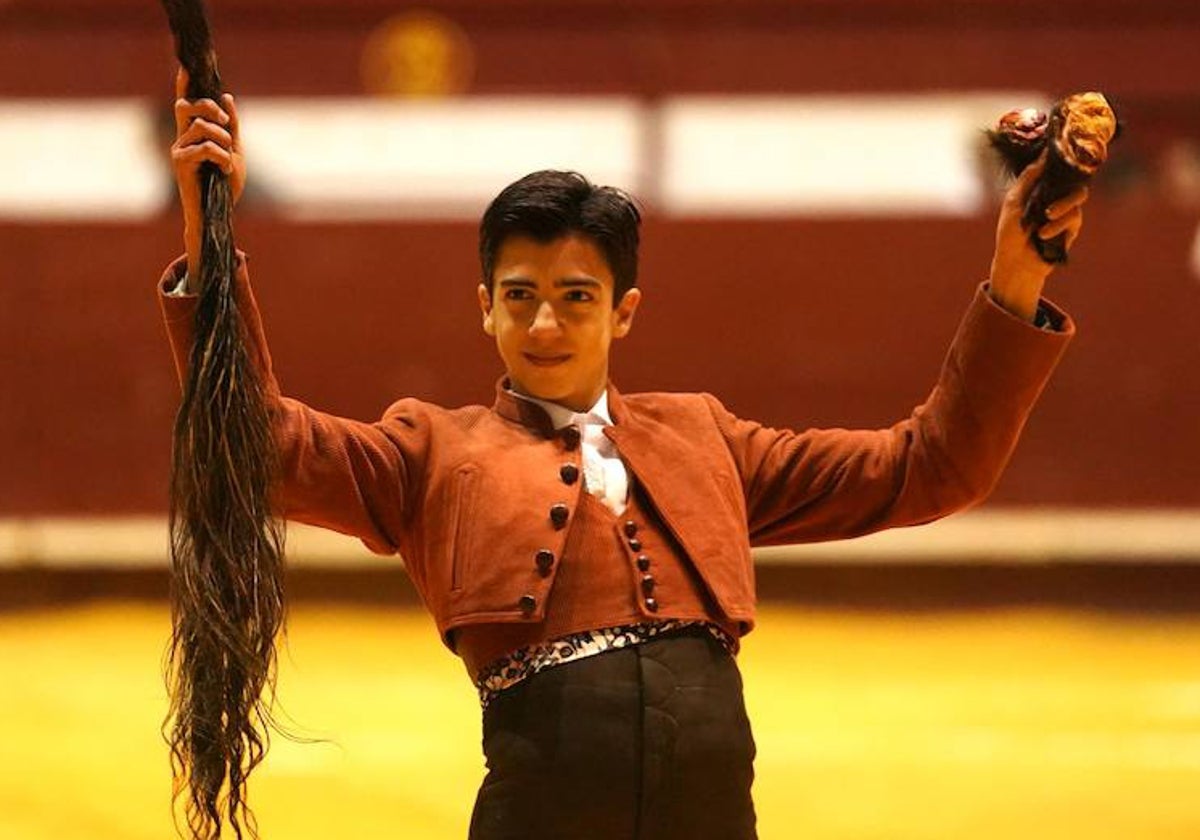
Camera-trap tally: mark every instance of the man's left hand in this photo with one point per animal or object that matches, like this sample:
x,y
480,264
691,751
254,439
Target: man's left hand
x,y
1018,272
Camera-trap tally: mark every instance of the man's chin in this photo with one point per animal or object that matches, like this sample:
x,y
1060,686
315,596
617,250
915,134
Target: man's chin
x,y
541,387
552,389
565,384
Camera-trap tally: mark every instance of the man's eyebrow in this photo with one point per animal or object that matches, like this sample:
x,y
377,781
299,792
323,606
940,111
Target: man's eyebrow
x,y
577,281
562,282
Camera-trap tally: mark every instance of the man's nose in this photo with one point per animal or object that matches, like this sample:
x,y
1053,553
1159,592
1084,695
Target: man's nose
x,y
545,320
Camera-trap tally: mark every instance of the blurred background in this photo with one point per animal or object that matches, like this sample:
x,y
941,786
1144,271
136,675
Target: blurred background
x,y
819,209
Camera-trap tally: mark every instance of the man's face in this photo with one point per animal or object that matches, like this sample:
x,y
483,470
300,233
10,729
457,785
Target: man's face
x,y
551,312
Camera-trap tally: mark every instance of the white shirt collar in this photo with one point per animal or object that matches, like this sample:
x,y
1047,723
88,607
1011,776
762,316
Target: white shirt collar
x,y
561,416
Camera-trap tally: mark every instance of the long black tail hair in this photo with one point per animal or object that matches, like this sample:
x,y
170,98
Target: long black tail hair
x,y
227,600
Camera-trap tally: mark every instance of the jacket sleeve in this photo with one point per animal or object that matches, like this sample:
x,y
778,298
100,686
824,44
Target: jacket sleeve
x,y
824,484
338,473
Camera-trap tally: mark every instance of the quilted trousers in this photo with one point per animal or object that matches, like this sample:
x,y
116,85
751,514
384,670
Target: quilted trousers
x,y
649,741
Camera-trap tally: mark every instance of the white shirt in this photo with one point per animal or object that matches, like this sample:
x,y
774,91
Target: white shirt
x,y
604,474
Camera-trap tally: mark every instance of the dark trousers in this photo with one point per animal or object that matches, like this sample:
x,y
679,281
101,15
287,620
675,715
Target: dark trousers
x,y
645,742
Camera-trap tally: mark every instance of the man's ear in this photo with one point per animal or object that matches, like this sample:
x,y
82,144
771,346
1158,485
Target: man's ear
x,y
623,313
485,305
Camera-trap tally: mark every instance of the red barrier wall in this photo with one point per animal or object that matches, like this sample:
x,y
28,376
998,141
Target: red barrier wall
x,y
792,322
1144,52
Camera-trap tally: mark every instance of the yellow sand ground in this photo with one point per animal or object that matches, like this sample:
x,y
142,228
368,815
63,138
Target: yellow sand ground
x,y
1009,724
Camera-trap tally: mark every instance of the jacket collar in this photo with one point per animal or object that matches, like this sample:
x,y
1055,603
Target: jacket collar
x,y
533,416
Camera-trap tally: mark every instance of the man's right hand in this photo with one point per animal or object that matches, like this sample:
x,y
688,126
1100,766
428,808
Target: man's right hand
x,y
204,132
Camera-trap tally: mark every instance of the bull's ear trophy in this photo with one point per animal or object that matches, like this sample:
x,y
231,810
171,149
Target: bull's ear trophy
x,y
1075,137
227,602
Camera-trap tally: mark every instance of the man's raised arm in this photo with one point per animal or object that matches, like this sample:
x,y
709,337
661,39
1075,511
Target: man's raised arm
x,y
342,474
824,484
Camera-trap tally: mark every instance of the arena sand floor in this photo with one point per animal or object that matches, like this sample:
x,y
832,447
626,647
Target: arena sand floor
x,y
1002,724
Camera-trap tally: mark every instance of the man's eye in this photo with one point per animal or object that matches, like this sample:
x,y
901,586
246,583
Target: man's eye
x,y
517,294
579,295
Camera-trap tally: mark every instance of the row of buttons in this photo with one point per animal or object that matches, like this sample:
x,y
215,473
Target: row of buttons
x,y
643,564
544,560
559,514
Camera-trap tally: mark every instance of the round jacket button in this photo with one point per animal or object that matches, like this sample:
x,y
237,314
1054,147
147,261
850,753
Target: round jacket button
x,y
570,436
559,514
635,544
647,584
652,605
527,604
643,563
630,527
569,473
545,561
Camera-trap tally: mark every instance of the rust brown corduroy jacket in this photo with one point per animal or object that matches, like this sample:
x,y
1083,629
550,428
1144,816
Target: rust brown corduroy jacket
x,y
469,496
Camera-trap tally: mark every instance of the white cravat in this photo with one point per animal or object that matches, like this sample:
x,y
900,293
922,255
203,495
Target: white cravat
x,y
604,474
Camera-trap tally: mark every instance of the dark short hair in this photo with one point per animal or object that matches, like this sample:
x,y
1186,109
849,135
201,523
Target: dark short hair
x,y
549,204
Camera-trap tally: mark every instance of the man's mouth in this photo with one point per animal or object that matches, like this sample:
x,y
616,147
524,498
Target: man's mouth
x,y
545,359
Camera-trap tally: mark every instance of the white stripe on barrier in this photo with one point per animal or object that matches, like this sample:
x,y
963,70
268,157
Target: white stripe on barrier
x,y
1008,536
828,155
362,158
